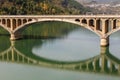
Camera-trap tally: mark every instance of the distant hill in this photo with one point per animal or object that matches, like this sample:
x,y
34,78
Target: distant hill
x,y
23,7
99,1
107,1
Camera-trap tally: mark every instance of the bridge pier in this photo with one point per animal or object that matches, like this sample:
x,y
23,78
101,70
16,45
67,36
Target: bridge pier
x,y
104,41
15,36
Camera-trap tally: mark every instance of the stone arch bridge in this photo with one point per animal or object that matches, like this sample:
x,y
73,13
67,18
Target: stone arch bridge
x,y
102,25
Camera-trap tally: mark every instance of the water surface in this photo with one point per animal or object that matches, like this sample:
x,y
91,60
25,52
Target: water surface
x,y
58,51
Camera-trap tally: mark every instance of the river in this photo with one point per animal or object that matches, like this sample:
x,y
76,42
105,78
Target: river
x,y
58,51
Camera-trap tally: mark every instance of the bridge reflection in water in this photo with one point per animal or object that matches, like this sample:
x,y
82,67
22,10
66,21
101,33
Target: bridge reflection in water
x,y
104,63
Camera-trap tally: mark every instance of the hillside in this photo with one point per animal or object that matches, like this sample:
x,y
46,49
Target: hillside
x,y
99,1
39,7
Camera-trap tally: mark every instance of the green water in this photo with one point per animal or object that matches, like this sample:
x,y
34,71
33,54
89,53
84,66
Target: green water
x,y
58,51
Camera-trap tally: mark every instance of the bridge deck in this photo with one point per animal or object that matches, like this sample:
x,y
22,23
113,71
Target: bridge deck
x,y
60,16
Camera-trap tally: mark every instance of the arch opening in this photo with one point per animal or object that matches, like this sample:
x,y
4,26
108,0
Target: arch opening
x,y
29,20
99,24
84,21
91,22
24,21
14,24
25,25
82,30
46,29
3,21
8,23
107,25
114,24
19,22
77,20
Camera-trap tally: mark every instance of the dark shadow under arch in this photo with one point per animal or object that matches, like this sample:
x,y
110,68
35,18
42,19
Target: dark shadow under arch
x,y
84,21
91,22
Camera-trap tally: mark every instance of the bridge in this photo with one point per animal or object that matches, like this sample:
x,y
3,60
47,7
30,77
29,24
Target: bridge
x,y
104,63
102,25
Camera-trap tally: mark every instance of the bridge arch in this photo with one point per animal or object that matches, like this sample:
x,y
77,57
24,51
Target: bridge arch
x,y
102,25
75,21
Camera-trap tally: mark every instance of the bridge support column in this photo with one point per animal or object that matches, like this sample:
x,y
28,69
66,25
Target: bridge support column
x,y
15,36
104,41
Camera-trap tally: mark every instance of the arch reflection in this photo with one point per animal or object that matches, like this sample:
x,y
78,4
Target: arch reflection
x,y
104,63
